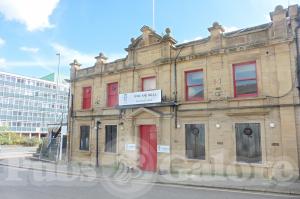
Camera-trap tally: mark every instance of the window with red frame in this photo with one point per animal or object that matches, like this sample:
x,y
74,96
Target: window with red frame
x,y
194,85
87,98
112,94
148,83
245,80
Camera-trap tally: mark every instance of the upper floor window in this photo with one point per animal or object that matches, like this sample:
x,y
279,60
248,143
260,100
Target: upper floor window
x,y
87,98
245,80
148,83
112,94
194,85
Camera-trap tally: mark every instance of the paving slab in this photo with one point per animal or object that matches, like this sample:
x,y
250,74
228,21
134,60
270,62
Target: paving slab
x,y
220,182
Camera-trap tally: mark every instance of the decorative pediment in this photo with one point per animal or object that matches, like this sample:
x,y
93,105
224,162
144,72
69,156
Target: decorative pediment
x,y
148,37
144,111
149,43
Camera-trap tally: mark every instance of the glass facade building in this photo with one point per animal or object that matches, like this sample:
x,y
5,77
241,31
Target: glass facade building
x,y
29,105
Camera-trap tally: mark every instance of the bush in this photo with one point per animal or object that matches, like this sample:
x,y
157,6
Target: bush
x,y
30,142
16,139
5,139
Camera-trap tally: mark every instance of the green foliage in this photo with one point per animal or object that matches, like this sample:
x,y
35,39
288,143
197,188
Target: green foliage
x,y
7,138
30,142
4,129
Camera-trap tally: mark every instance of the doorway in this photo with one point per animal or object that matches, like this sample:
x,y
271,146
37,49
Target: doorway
x,y
148,148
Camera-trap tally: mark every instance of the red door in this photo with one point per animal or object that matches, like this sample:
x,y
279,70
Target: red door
x,y
112,94
148,147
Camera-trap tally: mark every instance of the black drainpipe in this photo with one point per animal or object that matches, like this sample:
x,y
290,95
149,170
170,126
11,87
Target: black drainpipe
x,y
175,84
298,52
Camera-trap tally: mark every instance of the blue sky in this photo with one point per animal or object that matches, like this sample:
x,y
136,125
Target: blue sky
x,y
33,31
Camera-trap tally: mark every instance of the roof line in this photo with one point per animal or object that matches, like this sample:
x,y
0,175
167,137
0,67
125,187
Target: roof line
x,y
30,78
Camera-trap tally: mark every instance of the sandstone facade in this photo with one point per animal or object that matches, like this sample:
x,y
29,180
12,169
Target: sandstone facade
x,y
272,47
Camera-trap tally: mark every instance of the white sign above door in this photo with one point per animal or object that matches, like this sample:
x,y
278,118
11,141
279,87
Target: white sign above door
x,y
145,97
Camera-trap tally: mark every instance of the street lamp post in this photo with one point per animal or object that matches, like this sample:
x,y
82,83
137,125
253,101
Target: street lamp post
x,y
97,143
57,81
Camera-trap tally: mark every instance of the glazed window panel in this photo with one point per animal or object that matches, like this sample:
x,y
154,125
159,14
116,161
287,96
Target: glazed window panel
x,y
87,98
84,138
245,80
112,94
248,142
148,83
194,85
195,141
111,138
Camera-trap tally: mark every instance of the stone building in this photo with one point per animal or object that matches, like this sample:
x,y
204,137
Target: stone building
x,y
227,104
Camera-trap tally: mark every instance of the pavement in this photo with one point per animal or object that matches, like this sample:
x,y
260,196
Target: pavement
x,y
7,152
21,183
122,175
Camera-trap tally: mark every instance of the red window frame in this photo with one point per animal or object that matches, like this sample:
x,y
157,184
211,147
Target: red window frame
x,y
246,79
86,100
187,98
112,99
145,78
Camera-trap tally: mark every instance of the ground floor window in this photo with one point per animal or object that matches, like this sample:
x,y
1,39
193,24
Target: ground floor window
x,y
195,141
248,142
111,138
84,138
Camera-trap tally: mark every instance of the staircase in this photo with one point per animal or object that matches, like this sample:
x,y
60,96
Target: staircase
x,y
49,149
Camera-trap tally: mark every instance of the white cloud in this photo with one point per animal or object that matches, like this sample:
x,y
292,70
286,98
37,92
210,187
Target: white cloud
x,y
68,55
188,40
2,63
46,64
2,42
33,13
115,56
50,64
29,49
86,59
28,63
230,28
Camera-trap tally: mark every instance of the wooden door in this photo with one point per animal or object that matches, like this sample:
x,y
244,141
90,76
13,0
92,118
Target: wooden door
x,y
148,148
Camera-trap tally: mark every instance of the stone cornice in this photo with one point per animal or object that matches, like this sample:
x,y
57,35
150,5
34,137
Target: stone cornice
x,y
195,56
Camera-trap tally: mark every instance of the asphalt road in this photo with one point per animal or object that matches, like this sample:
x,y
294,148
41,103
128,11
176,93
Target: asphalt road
x,y
18,183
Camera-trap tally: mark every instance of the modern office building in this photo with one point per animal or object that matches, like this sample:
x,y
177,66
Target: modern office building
x,y
29,105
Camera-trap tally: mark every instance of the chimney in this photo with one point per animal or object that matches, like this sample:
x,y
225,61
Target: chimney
x,y
216,33
216,29
146,33
101,59
74,67
279,19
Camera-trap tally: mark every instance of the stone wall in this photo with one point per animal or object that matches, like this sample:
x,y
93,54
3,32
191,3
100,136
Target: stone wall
x,y
271,46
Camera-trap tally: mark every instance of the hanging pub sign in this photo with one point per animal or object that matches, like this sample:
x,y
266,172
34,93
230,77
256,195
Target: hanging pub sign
x,y
145,97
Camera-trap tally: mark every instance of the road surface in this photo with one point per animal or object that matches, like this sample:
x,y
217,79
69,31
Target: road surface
x,y
16,183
